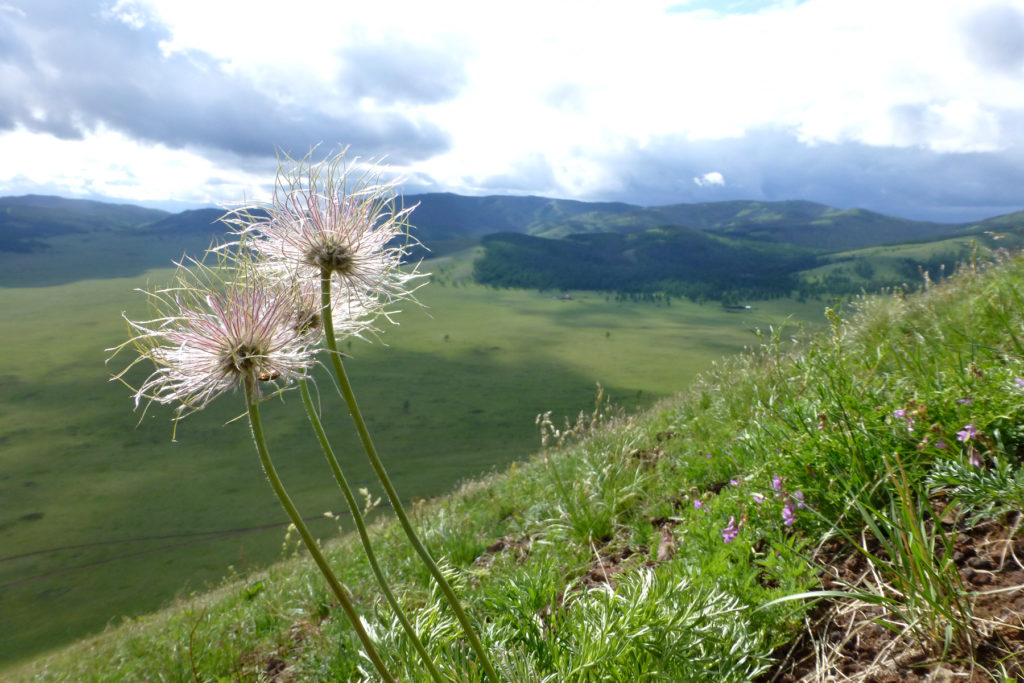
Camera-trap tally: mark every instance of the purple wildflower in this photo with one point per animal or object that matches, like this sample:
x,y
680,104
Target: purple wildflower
x,y
941,445
758,498
965,401
788,514
697,505
731,531
974,456
736,481
1019,381
901,413
777,482
967,433
799,497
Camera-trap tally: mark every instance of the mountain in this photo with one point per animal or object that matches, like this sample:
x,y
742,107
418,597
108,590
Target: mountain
x,y
802,223
46,240
679,260
27,223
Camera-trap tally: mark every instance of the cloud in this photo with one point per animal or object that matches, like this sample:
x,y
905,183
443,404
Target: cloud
x,y
774,165
711,178
73,68
994,38
402,74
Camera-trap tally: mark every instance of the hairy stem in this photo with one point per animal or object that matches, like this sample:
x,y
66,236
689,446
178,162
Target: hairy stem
x,y
307,538
357,515
382,475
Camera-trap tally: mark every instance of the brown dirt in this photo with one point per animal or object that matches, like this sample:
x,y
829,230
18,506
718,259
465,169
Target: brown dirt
x,y
845,641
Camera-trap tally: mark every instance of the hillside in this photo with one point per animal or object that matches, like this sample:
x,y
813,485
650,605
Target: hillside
x,y
680,261
743,247
27,223
801,223
844,505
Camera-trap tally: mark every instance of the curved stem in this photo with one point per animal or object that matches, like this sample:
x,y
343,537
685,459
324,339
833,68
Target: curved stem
x,y
307,538
357,515
382,475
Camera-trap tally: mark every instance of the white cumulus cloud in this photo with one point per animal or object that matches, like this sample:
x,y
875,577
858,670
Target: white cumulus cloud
x,y
711,178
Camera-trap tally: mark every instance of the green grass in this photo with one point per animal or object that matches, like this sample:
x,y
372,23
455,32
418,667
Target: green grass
x,y
750,434
452,394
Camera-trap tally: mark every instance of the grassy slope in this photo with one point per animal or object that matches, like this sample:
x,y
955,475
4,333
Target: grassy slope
x,y
75,469
822,420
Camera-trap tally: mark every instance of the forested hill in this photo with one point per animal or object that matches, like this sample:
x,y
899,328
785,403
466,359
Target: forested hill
x,y
808,224
675,260
735,244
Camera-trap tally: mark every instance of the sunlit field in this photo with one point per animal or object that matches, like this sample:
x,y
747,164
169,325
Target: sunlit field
x,y
102,516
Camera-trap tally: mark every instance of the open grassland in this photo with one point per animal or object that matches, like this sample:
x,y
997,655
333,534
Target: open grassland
x,y
882,460
102,517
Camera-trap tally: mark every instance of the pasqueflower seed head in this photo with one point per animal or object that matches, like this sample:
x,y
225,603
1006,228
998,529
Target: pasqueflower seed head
x,y
213,335
325,218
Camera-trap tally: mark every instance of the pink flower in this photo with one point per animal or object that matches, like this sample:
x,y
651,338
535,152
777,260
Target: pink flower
x,y
799,497
788,514
730,531
758,498
967,433
777,482
697,505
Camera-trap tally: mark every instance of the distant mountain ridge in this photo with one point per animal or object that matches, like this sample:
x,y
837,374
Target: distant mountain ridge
x,y
798,222
785,236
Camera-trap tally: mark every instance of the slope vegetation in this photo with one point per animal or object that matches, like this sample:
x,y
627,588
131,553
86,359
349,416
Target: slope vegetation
x,y
875,469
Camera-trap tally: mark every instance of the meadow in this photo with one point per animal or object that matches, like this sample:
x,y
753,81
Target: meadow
x,y
843,506
103,517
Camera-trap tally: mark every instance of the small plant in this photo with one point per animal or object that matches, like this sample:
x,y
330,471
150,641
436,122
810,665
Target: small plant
x,y
323,259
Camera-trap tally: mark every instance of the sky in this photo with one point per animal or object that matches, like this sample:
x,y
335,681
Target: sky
x,y
913,108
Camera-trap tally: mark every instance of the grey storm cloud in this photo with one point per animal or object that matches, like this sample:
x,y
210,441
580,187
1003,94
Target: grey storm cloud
x,y
381,71
994,38
69,70
772,165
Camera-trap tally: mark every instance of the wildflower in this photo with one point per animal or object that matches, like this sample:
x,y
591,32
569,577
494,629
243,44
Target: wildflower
x,y
777,482
758,498
799,497
731,531
788,514
967,433
325,222
1019,382
697,505
965,401
941,445
213,336
903,415
974,456
736,481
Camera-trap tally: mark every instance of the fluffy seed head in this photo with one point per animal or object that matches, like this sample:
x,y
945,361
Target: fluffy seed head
x,y
328,219
213,334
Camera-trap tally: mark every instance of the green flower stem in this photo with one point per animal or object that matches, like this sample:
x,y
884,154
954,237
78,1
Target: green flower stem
x,y
382,475
307,538
353,507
